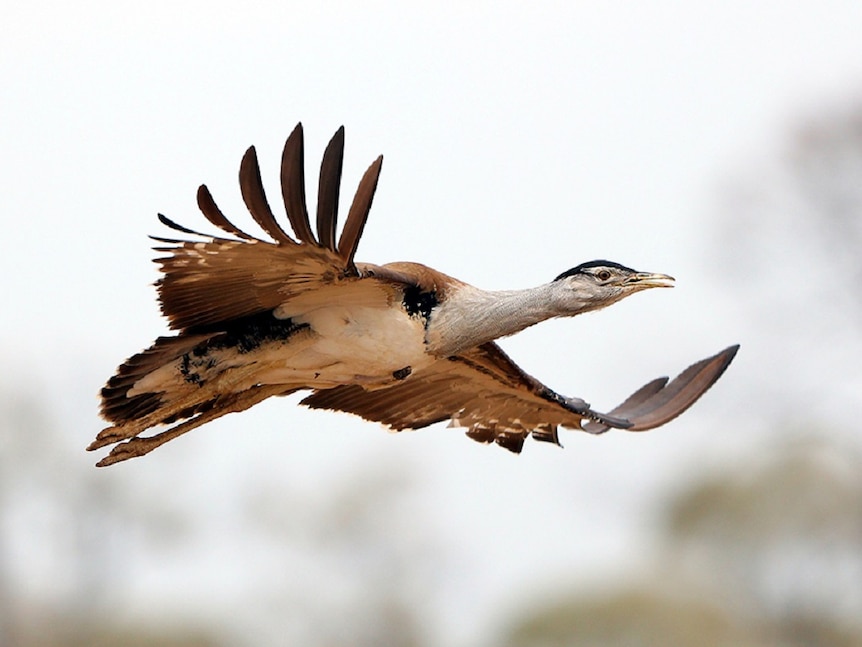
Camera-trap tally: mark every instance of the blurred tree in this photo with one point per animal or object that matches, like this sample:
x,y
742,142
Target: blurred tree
x,y
825,164
784,543
47,630
768,552
786,245
344,565
635,617
369,551
791,230
60,527
770,559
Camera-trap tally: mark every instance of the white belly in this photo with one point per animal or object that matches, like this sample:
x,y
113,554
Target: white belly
x,y
353,344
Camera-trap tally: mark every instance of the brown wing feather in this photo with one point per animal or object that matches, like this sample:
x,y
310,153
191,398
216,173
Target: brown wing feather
x,y
212,213
486,392
358,214
481,389
170,224
293,186
255,198
216,281
328,188
206,283
657,402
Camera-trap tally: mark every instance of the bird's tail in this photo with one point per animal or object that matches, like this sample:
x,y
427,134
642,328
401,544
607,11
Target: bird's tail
x,y
161,386
127,398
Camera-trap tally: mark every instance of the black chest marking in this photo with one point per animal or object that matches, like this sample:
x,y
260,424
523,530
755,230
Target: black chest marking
x,y
244,335
250,333
418,303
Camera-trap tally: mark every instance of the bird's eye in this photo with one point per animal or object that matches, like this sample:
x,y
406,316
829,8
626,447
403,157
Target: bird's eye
x,y
603,275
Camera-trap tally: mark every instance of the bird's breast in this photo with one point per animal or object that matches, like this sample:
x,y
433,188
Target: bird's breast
x,y
356,344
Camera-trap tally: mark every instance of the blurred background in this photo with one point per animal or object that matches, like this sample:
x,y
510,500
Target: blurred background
x,y
720,142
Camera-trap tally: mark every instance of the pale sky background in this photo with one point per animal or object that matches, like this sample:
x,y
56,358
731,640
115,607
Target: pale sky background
x,y
519,139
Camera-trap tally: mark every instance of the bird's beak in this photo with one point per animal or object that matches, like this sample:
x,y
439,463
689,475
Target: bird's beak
x,y
644,280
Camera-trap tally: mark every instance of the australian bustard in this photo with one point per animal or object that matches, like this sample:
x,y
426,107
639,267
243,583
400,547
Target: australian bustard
x,y
401,343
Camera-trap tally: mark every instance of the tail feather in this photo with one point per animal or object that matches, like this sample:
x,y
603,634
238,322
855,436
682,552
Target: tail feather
x,y
118,406
155,388
189,379
179,400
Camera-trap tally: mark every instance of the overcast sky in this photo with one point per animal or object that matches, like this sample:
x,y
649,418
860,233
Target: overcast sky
x,y
519,139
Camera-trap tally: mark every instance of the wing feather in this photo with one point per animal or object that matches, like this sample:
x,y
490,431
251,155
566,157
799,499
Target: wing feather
x,y
216,281
255,198
481,389
486,392
206,283
358,214
212,213
659,402
293,185
328,188
167,222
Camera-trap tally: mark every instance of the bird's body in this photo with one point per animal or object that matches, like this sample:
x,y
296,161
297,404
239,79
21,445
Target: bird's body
x,y
400,343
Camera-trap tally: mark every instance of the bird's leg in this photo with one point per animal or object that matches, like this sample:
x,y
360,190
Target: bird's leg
x,y
144,445
583,408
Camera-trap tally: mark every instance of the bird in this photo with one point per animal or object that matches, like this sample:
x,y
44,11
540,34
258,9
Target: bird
x,y
401,344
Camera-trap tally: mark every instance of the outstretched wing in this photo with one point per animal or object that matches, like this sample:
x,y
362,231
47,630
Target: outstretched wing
x,y
220,279
486,392
660,401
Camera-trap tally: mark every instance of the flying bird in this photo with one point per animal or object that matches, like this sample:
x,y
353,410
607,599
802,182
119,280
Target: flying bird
x,y
401,343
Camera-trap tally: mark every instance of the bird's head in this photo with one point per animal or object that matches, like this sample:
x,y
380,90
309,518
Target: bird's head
x,y
597,284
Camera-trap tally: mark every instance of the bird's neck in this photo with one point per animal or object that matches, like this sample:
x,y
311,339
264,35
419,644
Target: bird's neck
x,y
470,316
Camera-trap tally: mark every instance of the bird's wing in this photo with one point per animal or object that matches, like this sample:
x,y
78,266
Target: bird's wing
x,y
218,279
486,392
660,401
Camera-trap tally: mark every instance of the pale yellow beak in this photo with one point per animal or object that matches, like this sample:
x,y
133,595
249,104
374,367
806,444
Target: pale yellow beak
x,y
644,280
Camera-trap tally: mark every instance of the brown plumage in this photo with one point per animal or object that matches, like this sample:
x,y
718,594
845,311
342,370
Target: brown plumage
x,y
401,344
